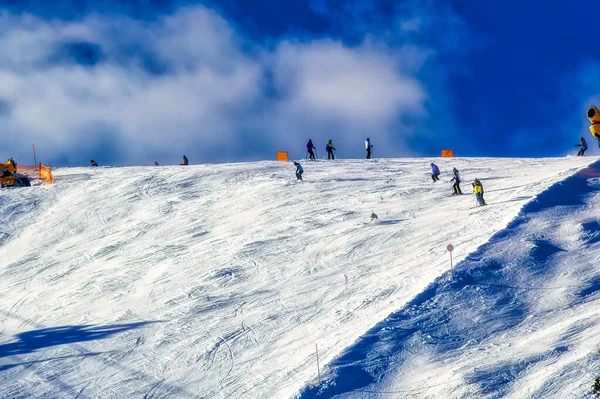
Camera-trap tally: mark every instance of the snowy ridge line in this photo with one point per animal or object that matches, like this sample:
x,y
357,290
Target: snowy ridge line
x,y
371,358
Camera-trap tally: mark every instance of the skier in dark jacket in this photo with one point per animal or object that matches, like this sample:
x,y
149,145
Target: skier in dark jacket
x,y
185,161
583,146
299,170
330,148
435,172
310,149
93,163
368,147
456,180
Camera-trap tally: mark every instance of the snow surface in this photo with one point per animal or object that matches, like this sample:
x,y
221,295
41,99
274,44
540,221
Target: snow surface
x,y
218,280
519,320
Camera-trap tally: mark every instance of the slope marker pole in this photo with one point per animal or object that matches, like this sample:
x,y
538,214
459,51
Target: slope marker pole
x,y
450,248
318,368
34,160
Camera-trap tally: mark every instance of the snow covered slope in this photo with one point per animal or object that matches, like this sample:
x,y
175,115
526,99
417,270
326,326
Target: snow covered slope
x,y
218,280
519,320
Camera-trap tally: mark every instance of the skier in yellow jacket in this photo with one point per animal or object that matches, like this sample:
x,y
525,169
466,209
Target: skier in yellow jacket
x,y
478,190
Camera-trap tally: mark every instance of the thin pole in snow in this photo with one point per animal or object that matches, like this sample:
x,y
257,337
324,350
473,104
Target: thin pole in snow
x,y
450,248
33,150
318,368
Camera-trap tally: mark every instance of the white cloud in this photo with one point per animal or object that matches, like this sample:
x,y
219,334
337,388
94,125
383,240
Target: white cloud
x,y
218,98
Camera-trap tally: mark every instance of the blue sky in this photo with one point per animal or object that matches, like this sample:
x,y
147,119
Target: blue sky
x,y
127,82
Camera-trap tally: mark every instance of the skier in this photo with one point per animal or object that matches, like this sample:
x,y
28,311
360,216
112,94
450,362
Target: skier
x,y
456,180
368,147
583,146
299,170
330,148
309,148
478,190
93,163
156,163
374,217
435,172
185,161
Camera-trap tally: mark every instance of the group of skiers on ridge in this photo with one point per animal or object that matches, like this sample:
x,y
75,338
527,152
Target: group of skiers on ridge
x,y
185,162
329,148
311,149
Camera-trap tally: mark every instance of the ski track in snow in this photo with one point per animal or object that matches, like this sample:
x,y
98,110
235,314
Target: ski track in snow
x,y
217,280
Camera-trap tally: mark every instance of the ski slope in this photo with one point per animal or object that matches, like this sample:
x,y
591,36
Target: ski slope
x,y
519,320
217,280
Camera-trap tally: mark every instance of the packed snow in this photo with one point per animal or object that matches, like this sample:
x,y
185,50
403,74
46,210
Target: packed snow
x,y
217,281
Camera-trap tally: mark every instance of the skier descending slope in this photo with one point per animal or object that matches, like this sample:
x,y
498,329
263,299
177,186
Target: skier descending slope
x,y
456,180
583,146
299,170
478,190
435,172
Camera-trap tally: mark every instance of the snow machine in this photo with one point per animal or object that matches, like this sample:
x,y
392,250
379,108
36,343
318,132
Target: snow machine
x,y
9,176
593,115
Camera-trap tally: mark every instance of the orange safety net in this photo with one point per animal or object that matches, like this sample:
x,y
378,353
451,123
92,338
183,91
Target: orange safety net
x,y
27,170
36,171
281,156
447,154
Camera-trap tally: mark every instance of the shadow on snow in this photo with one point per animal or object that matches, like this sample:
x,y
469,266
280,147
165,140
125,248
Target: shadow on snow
x,y
32,341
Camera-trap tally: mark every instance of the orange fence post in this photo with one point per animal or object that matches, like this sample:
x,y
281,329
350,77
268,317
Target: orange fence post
x,y
46,173
281,156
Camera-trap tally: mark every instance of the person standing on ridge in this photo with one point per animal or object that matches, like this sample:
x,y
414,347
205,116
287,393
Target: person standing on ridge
x,y
478,190
156,163
435,172
456,180
368,147
299,170
330,148
93,163
185,161
583,146
310,149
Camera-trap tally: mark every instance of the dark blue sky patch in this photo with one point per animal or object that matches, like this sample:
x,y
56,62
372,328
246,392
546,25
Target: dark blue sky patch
x,y
5,107
81,53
